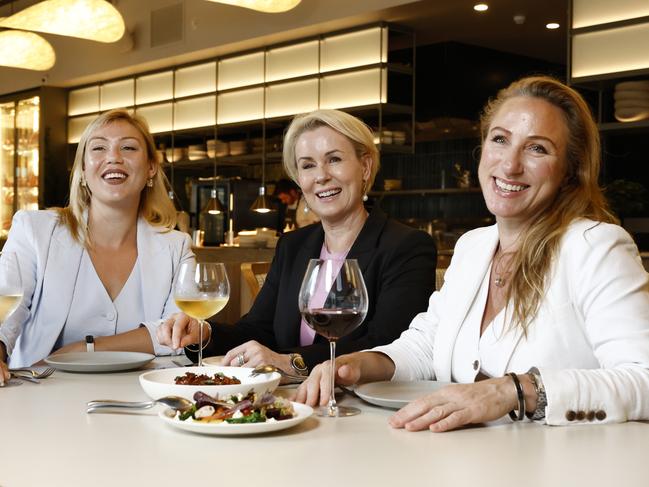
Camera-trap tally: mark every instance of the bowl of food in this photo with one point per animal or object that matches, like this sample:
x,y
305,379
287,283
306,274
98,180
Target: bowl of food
x,y
218,382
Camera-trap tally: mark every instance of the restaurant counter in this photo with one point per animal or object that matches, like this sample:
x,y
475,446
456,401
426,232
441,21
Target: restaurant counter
x,y
49,440
232,257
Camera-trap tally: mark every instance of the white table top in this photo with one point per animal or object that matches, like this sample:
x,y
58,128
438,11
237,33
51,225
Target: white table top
x,y
48,439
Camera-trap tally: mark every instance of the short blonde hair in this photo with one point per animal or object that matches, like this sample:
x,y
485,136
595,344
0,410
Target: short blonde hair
x,y
358,133
155,205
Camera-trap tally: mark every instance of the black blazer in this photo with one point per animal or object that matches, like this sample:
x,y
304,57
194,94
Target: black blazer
x,y
398,265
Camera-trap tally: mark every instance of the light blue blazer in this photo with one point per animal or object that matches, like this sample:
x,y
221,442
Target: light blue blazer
x,y
49,261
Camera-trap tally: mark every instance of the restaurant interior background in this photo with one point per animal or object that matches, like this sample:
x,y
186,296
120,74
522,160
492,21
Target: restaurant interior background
x,y
439,61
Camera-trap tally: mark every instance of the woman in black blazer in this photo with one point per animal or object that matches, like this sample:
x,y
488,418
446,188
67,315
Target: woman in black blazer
x,y
332,157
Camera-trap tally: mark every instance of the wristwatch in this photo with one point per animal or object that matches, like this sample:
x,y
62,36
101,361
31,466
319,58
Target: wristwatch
x,y
297,362
541,396
90,343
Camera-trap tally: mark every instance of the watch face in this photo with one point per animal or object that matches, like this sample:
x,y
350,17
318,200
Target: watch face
x,y
298,363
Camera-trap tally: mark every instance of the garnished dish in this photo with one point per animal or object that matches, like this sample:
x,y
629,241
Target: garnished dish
x,y
238,409
218,379
239,414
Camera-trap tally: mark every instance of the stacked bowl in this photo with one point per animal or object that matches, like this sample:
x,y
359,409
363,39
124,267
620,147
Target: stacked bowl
x,y
632,101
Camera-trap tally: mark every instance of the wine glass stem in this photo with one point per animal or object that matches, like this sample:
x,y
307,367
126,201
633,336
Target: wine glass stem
x,y
332,408
200,342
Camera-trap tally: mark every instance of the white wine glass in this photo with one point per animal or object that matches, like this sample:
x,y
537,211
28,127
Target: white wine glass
x,y
202,290
333,301
11,288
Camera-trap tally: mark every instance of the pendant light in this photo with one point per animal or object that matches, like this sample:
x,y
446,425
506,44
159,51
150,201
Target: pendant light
x,y
95,20
214,206
25,50
262,203
267,6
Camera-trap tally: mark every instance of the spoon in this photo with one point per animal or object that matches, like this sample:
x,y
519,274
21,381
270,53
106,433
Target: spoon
x,y
268,369
174,402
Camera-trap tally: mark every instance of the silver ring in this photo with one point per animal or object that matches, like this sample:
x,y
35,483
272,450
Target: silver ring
x,y
240,360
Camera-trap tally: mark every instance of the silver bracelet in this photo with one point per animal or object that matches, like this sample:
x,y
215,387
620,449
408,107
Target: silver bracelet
x,y
209,339
541,396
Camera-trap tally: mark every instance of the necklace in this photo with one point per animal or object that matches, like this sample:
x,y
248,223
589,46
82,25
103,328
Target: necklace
x,y
500,268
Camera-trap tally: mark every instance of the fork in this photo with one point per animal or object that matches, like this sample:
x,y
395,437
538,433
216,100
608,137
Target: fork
x,y
21,377
35,374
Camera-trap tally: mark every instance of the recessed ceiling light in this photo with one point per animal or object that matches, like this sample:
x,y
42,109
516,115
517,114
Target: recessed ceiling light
x,y
480,7
552,25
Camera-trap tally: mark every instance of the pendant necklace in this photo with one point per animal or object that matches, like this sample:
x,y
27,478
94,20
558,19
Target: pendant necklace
x,y
500,274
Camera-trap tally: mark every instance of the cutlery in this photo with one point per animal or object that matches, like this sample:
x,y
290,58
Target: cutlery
x,y
174,402
24,377
267,369
35,373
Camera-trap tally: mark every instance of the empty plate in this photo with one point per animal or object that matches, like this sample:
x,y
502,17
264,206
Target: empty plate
x,y
99,361
396,394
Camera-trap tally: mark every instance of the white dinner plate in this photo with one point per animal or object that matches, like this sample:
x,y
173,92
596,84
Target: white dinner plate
x,y
99,361
396,394
216,360
226,429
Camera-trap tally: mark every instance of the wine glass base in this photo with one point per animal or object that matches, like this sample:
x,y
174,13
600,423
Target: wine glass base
x,y
337,412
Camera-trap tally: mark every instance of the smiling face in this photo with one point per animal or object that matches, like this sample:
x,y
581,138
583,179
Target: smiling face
x,y
116,166
330,174
523,159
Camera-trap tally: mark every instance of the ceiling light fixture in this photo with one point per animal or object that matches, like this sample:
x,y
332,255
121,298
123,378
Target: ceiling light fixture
x,y
95,20
25,50
481,7
267,6
552,25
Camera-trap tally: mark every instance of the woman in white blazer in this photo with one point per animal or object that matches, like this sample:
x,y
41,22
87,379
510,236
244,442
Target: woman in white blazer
x,y
544,315
104,266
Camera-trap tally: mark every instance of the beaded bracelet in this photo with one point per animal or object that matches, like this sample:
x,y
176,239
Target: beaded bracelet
x,y
209,339
520,414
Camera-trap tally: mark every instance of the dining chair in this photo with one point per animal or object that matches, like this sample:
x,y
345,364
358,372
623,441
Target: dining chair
x,y
439,278
253,275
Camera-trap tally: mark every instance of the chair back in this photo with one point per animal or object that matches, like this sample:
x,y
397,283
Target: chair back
x,y
253,275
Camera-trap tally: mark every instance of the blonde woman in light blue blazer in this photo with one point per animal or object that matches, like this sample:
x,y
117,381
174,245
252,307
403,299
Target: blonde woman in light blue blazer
x,y
543,316
104,265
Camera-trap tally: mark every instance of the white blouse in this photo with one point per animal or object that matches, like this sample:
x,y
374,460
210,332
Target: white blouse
x,y
94,313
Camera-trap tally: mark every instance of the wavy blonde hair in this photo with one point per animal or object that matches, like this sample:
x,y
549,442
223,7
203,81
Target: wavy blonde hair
x,y
155,205
358,133
579,196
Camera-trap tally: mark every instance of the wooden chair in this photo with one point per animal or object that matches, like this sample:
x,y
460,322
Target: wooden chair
x,y
253,275
439,278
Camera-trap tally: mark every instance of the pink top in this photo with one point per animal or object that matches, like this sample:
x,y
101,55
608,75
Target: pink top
x,y
307,334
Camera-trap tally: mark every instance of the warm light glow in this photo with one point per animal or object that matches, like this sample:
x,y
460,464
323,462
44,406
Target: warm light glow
x,y
96,20
552,25
481,7
268,6
594,12
25,50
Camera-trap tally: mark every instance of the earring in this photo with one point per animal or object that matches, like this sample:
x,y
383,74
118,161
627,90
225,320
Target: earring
x,y
365,197
149,183
83,183
364,190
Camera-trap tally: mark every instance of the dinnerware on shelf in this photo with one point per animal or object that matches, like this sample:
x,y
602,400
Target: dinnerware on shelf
x,y
396,394
160,383
333,301
302,412
11,289
99,361
632,101
202,290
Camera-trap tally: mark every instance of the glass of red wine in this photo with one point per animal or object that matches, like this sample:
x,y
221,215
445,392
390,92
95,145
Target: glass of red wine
x,y
333,301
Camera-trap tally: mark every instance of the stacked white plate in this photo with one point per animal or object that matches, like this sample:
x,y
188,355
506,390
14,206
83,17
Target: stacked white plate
x,y
632,101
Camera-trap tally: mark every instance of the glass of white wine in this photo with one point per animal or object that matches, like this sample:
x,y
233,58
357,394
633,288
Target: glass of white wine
x,y
202,290
11,288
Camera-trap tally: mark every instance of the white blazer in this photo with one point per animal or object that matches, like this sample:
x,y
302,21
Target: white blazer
x,y
589,339
49,260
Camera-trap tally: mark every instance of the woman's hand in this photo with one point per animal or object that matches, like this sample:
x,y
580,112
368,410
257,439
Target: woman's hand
x,y
457,405
317,388
4,372
179,330
253,354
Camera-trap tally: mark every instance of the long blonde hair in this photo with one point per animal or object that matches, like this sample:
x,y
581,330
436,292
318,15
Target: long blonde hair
x,y
579,196
358,133
155,205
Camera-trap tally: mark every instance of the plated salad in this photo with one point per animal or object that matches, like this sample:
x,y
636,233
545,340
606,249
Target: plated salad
x,y
238,409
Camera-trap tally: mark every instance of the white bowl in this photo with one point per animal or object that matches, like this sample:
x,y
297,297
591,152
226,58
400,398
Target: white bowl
x,y
160,383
